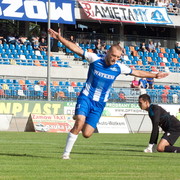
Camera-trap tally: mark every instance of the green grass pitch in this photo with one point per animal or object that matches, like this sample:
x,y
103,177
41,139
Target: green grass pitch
x,y
34,156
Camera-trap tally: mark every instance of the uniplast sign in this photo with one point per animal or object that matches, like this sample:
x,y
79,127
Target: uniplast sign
x,y
61,11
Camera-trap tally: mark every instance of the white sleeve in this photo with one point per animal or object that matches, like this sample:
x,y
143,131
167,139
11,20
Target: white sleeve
x,y
91,57
125,69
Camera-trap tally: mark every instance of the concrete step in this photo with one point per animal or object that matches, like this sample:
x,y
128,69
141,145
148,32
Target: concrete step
x,y
68,58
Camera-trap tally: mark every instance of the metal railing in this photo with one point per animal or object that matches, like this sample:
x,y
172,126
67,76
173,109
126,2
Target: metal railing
x,y
130,95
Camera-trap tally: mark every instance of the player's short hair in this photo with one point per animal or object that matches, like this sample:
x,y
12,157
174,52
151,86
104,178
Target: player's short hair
x,y
117,46
145,97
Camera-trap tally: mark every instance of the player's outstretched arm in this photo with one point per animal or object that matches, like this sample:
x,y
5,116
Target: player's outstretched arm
x,y
70,45
145,74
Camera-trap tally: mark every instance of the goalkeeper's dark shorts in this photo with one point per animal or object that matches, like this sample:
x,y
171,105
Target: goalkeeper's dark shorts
x,y
171,137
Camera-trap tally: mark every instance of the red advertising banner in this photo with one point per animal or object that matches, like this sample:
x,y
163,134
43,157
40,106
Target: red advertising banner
x,y
50,123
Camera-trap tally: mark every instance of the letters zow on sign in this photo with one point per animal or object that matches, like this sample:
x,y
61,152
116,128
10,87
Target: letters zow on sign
x,y
61,11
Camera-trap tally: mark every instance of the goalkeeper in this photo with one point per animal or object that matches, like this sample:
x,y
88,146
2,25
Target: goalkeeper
x,y
169,124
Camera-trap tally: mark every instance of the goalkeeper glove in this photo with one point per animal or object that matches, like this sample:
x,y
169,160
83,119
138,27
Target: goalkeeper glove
x,y
151,148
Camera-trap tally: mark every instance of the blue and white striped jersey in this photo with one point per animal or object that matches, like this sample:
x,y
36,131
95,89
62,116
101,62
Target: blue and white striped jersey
x,y
101,77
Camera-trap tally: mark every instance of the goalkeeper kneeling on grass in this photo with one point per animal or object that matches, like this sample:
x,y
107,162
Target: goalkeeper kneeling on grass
x,y
169,124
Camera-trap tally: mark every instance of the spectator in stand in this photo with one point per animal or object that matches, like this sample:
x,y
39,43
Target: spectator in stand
x,y
135,83
151,46
143,84
157,44
176,7
98,46
160,3
72,39
150,82
2,40
35,41
152,2
170,6
143,47
11,39
103,49
43,33
177,48
43,45
23,40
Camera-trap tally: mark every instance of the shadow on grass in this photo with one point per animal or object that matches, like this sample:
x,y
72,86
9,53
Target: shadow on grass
x,y
126,145
22,155
148,155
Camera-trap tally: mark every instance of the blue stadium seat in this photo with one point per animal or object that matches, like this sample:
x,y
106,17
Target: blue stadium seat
x,y
61,83
29,48
140,53
155,54
23,47
166,55
20,52
176,55
5,46
31,52
25,52
43,63
34,57
13,51
11,46
128,53
16,56
172,51
77,57
8,51
127,48
57,58
28,56
52,58
68,51
80,84
18,61
158,50
18,47
150,54
43,53
10,56
172,64
24,62
131,57
167,50
136,58
169,59
171,55
136,48
145,54
28,82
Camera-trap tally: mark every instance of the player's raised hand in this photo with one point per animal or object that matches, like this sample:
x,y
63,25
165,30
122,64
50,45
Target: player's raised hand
x,y
54,34
160,75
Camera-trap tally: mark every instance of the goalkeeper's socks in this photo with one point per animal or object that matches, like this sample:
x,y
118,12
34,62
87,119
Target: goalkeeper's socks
x,y
71,139
172,149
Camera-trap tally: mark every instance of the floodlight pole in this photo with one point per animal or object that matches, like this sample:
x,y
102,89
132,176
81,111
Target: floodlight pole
x,y
49,62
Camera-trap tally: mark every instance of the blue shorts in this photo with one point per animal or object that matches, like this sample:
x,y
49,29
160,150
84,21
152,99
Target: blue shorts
x,y
89,108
